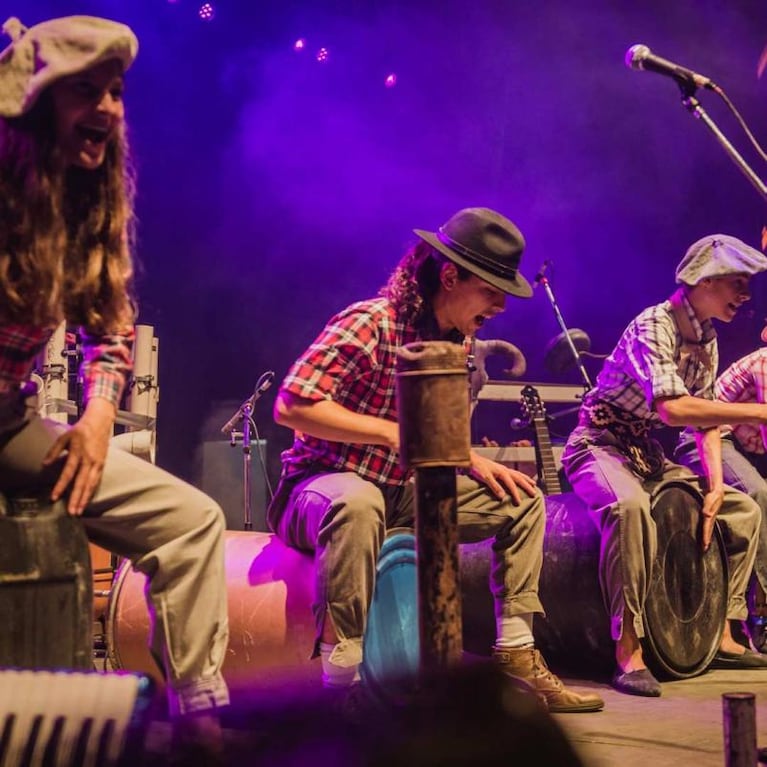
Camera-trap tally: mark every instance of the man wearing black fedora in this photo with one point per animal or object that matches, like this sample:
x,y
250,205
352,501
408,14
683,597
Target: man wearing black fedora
x,y
342,487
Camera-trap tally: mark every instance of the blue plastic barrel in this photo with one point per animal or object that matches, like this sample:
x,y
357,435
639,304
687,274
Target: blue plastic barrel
x,y
391,647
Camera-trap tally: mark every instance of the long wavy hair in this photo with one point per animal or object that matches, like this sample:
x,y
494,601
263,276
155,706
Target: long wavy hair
x,y
415,281
66,233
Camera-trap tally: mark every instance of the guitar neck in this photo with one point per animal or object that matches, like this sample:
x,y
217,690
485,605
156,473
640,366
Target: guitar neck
x,y
544,453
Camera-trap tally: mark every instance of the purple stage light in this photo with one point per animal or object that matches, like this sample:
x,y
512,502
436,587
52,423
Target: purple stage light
x,y
299,44
391,80
207,12
323,54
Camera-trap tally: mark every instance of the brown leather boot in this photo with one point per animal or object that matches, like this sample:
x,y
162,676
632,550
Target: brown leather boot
x,y
527,664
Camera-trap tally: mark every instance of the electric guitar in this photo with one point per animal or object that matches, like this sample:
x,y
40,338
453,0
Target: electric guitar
x,y
534,410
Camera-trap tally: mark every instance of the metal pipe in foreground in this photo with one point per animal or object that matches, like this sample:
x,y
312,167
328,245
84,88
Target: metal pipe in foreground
x,y
433,408
739,712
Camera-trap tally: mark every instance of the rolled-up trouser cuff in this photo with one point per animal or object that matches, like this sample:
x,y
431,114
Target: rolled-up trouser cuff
x,y
347,653
616,626
520,604
195,697
737,609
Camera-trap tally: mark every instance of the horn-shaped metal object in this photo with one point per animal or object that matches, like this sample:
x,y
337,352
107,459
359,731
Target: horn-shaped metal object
x,y
564,350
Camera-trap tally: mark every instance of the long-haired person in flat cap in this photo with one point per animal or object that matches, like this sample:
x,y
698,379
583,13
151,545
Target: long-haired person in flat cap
x,y
66,224
342,487
662,371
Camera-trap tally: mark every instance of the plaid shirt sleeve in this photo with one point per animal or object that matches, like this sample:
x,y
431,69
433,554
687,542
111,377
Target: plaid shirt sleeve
x,y
652,355
746,381
343,351
107,363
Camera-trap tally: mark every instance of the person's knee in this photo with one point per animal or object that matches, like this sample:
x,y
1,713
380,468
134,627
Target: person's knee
x,y
538,507
632,508
217,520
759,494
359,515
754,511
202,513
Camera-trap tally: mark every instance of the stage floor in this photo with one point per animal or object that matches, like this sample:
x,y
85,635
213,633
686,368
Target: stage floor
x,y
682,727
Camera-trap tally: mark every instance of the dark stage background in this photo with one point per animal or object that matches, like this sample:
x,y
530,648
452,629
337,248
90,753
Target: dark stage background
x,y
274,190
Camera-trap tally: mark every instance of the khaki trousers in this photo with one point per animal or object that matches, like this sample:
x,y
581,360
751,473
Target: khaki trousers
x,y
343,519
619,504
170,531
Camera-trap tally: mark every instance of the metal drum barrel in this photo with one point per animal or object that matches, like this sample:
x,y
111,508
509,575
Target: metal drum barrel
x,y
687,601
45,586
686,604
270,589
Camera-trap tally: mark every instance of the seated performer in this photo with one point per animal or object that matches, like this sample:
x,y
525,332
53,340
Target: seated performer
x,y
742,447
342,487
662,372
66,219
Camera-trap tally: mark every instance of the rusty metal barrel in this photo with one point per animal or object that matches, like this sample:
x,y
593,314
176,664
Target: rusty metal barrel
x,y
270,588
46,591
433,414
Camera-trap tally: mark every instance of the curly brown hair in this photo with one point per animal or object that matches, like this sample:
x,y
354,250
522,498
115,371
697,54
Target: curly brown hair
x,y
416,280
66,233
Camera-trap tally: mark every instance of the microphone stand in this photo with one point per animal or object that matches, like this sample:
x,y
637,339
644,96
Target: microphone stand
x,y
541,279
245,414
693,106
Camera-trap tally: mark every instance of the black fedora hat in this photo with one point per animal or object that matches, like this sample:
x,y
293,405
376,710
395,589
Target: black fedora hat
x,y
487,244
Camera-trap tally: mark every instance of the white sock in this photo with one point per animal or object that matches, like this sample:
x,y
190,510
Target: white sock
x,y
334,675
516,631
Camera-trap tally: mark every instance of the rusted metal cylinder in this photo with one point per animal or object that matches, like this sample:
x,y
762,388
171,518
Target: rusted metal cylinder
x,y
439,598
46,593
739,712
433,407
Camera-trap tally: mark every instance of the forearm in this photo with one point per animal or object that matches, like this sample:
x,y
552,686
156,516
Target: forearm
x,y
709,445
704,414
107,363
329,420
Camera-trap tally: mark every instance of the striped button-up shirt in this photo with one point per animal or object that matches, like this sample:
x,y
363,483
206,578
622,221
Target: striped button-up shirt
x,y
652,360
746,381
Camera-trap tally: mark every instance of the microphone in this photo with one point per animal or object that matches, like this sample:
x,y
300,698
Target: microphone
x,y
640,57
263,383
519,423
539,277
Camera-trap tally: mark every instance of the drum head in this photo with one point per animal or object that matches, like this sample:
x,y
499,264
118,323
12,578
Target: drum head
x,y
687,599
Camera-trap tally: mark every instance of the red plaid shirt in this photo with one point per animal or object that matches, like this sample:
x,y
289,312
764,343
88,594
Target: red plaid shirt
x,y
107,359
352,362
746,381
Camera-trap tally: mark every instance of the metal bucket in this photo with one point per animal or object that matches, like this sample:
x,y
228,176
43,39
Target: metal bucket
x,y
46,591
